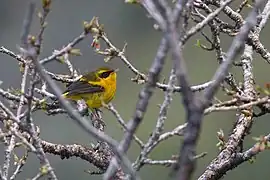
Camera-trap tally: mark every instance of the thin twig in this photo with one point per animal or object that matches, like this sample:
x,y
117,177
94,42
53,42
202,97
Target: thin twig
x,y
27,24
11,145
209,18
111,108
65,49
240,107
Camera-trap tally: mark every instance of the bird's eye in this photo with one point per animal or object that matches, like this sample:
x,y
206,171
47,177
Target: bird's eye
x,y
105,74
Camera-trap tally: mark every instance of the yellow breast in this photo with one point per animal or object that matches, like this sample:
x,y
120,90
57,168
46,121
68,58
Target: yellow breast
x,y
97,98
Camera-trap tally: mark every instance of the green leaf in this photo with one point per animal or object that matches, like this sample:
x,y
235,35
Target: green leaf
x,y
198,43
43,170
132,1
257,139
252,160
16,159
75,52
61,59
108,58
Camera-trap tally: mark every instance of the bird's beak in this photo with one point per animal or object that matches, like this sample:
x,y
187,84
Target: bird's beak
x,y
116,70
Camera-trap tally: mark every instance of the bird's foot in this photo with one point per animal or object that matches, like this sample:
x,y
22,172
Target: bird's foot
x,y
97,120
98,110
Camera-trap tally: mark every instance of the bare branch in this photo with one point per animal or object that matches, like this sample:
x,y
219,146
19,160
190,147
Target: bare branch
x,y
23,84
236,46
235,160
244,121
201,25
186,162
239,107
264,17
12,54
179,130
27,23
150,7
24,40
64,50
97,158
111,108
253,151
194,88
12,138
139,74
153,140
37,150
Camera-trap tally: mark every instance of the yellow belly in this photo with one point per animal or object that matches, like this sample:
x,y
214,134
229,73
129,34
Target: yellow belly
x,y
95,100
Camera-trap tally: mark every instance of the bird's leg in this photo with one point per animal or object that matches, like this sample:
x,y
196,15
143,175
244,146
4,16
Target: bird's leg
x,y
98,110
94,114
97,119
99,124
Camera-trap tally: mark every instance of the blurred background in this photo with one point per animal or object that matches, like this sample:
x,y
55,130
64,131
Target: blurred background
x,y
125,23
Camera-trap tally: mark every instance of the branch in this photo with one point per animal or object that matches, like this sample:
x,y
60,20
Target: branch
x,y
27,24
15,128
258,101
252,152
235,160
150,7
97,158
153,140
44,161
253,38
244,122
141,106
65,49
139,75
111,108
236,46
81,121
186,162
202,24
12,54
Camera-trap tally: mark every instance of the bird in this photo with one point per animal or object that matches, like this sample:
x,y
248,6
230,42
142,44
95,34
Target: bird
x,y
95,88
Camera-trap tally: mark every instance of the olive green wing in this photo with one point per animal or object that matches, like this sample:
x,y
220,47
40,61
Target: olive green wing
x,y
82,87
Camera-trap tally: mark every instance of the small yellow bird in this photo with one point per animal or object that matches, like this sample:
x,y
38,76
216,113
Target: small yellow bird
x,y
95,88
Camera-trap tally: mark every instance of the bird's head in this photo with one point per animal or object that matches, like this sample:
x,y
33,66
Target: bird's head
x,y
106,74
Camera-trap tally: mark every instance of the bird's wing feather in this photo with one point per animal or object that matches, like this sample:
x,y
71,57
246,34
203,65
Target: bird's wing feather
x,y
83,87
